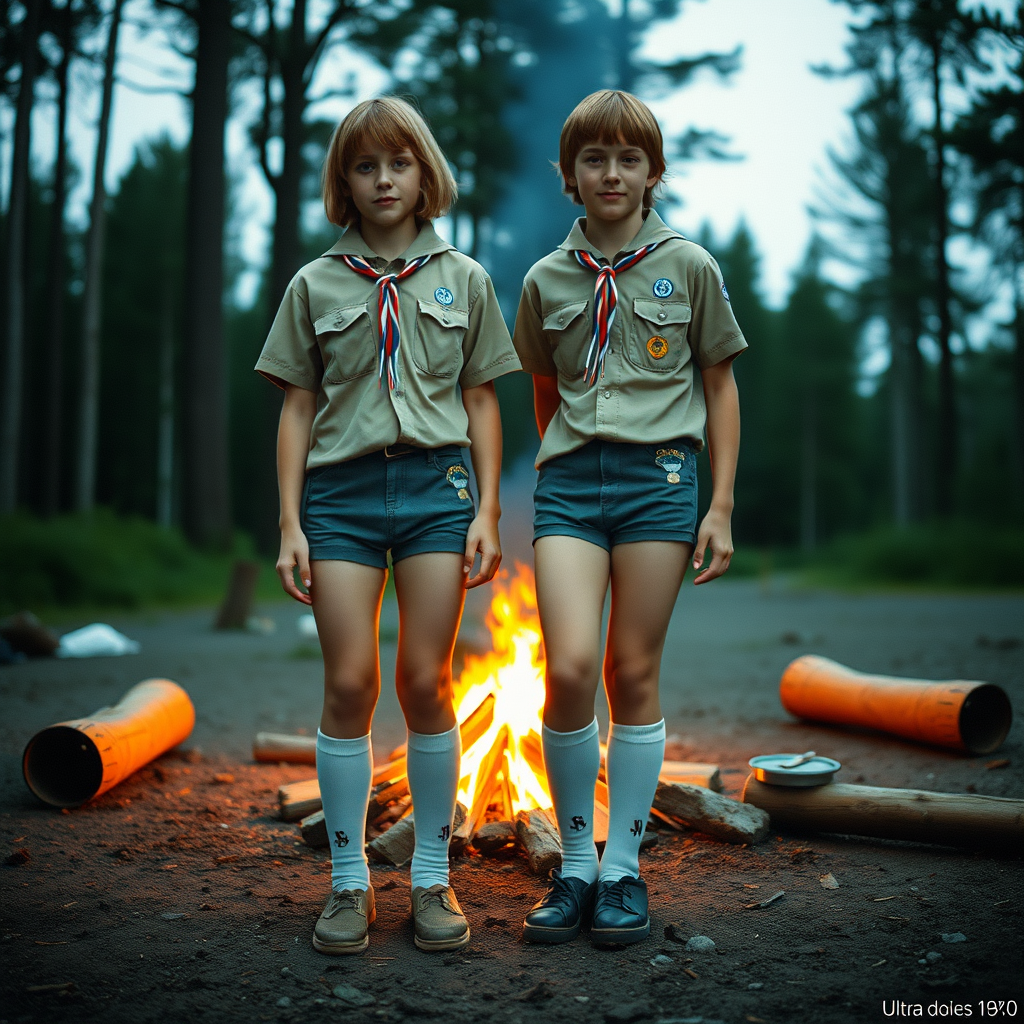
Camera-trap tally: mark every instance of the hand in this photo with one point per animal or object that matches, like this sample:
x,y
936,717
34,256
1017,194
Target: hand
x,y
716,530
294,552
482,538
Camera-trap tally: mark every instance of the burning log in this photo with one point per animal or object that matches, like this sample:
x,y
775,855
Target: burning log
x,y
711,813
968,716
538,833
495,837
486,782
991,823
692,773
71,762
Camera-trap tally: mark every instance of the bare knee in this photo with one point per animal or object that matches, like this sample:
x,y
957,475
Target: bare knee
x,y
424,691
571,685
350,696
632,682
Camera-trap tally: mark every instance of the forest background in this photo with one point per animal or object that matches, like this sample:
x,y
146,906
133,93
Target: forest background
x,y
883,404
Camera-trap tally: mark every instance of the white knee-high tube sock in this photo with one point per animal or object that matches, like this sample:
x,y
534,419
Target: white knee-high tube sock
x,y
635,754
433,767
572,761
345,771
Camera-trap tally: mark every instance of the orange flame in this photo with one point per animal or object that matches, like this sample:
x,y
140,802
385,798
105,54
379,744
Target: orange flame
x,y
514,673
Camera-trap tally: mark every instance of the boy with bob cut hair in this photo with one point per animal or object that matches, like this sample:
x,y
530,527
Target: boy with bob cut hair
x,y
387,347
393,124
610,325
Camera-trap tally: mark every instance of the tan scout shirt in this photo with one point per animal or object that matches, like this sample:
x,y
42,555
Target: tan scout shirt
x,y
324,339
672,310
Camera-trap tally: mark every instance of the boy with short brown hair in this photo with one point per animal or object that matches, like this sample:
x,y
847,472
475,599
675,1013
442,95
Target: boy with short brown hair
x,y
610,325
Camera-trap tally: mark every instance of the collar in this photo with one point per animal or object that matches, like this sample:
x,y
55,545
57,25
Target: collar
x,y
427,242
653,229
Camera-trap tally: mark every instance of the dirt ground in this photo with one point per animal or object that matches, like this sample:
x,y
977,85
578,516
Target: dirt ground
x,y
177,896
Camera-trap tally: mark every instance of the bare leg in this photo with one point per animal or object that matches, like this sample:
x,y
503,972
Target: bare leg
x,y
430,599
572,580
346,603
646,578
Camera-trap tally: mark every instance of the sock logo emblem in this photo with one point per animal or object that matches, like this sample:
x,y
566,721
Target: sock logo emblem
x,y
578,823
445,833
638,827
340,839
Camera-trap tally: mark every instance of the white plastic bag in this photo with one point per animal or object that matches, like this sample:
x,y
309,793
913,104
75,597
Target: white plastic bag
x,y
95,641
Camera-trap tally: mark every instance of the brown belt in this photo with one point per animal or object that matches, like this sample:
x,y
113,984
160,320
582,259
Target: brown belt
x,y
394,451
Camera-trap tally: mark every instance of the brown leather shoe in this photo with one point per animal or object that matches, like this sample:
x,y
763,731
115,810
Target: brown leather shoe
x,y
438,919
343,926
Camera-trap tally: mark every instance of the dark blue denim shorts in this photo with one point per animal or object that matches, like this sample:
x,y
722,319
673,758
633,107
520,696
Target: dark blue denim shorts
x,y
610,492
417,501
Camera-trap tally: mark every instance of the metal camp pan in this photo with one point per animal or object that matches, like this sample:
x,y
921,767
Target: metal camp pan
x,y
815,771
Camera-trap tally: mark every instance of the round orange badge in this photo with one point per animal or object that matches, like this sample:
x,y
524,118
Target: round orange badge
x,y
657,346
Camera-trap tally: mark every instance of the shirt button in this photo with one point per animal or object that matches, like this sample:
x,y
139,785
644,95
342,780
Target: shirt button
x,y
561,319
661,315
607,394
444,320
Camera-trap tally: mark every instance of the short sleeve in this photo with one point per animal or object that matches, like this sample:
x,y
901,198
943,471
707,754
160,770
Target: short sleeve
x,y
714,334
529,338
487,350
291,354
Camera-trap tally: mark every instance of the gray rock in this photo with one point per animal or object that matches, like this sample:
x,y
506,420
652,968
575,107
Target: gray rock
x,y
662,961
755,985
173,916
700,944
954,937
352,996
284,1002
626,1013
932,957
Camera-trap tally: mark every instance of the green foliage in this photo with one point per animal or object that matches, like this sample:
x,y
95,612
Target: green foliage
x,y
942,554
105,560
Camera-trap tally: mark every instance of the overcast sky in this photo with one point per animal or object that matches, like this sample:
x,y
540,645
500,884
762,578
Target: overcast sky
x,y
779,116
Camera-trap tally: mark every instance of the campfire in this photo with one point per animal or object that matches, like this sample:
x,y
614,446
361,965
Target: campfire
x,y
503,797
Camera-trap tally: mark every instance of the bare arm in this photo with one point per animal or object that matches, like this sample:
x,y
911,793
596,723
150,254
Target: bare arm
x,y
723,405
546,400
293,432
481,405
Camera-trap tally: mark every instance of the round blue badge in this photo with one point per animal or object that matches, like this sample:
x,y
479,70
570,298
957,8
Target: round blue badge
x,y
663,288
444,296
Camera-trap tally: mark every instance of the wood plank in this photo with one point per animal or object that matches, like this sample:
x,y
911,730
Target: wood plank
x,y
276,746
297,799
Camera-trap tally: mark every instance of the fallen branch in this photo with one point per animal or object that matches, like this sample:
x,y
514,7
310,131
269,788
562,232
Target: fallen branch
x,y
712,813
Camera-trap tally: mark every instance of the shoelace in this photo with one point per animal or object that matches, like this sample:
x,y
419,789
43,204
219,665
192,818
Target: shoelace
x,y
344,900
616,894
387,312
606,298
435,896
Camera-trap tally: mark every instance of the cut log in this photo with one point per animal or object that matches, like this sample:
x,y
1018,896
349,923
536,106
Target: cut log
x,y
314,830
237,606
494,837
389,771
383,795
397,844
297,799
711,813
539,835
478,722
692,773
277,746
989,823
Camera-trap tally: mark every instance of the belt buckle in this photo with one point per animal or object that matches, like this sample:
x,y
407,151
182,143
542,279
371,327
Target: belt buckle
x,y
400,450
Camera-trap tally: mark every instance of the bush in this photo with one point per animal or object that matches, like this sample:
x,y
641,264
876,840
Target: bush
x,y
946,554
105,560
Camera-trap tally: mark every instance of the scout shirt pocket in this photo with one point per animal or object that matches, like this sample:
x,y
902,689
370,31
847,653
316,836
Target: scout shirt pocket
x,y
658,337
346,343
568,329
437,345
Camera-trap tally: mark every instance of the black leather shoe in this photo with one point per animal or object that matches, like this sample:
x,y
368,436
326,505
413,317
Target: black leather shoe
x,y
620,912
566,908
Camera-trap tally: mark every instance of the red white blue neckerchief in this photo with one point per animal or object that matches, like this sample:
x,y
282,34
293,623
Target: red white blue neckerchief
x,y
387,312
606,297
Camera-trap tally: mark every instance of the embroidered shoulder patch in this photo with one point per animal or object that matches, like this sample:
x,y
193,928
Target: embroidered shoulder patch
x,y
444,296
657,347
663,288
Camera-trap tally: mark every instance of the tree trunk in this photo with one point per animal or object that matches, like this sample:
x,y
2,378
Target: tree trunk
x,y
55,285
809,473
206,509
947,455
17,208
901,427
165,427
85,483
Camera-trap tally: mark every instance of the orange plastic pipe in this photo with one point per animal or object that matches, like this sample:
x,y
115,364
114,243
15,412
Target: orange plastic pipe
x,y
959,714
71,762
